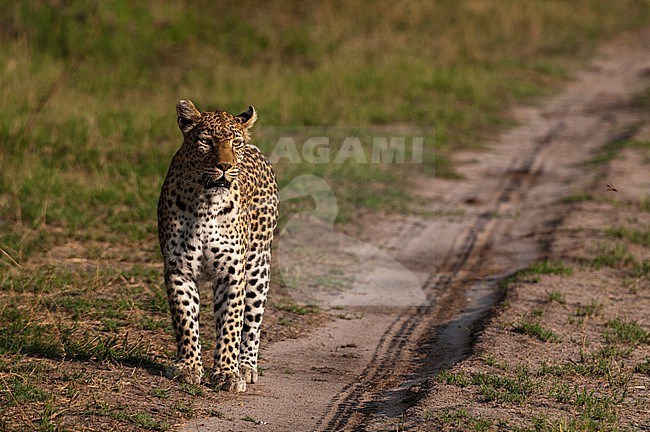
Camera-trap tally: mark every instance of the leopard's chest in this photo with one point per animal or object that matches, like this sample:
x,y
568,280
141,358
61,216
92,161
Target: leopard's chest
x,y
214,234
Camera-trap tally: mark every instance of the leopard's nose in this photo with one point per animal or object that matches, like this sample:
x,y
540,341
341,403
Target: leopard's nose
x,y
224,166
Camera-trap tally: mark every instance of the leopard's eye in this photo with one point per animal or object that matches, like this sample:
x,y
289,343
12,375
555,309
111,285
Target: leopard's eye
x,y
204,141
238,143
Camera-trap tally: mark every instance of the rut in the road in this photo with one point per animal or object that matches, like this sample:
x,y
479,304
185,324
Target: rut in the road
x,y
534,174
359,399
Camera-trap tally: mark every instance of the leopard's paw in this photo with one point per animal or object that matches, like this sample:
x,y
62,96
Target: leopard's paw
x,y
249,373
183,372
228,381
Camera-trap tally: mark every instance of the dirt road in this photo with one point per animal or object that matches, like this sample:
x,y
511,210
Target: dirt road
x,y
371,363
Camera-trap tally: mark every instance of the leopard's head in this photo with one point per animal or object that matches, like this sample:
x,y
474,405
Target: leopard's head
x,y
214,142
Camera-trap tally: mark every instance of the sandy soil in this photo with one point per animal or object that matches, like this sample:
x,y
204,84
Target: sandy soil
x,y
374,365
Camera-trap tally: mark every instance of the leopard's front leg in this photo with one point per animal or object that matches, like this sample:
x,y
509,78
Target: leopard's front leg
x,y
229,294
257,287
183,297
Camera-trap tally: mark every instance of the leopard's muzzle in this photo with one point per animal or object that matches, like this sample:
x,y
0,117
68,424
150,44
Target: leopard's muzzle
x,y
219,177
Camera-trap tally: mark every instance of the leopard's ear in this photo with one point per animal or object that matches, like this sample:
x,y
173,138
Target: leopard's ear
x,y
247,118
188,115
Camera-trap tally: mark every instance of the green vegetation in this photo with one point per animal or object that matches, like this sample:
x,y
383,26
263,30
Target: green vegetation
x,y
641,237
87,125
184,408
491,361
643,367
447,377
631,333
556,296
504,389
297,309
549,267
641,268
591,389
612,255
93,306
160,393
645,203
120,413
580,424
594,382
535,329
532,272
192,390
593,308
603,363
594,407
22,391
493,387
460,419
613,148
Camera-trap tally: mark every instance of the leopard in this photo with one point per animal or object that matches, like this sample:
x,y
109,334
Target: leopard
x,y
217,214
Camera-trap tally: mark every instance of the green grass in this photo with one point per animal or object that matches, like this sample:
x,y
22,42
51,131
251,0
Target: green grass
x,y
603,363
585,408
613,148
192,390
621,340
504,389
460,419
21,391
645,203
297,309
184,408
593,308
95,310
549,267
449,378
641,269
85,143
571,424
643,367
631,333
66,342
594,407
536,330
160,393
557,297
491,361
532,272
597,409
121,414
637,236
492,387
612,255
569,368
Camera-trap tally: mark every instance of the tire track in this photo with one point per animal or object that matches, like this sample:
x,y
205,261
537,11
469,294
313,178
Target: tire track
x,y
347,407
572,130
